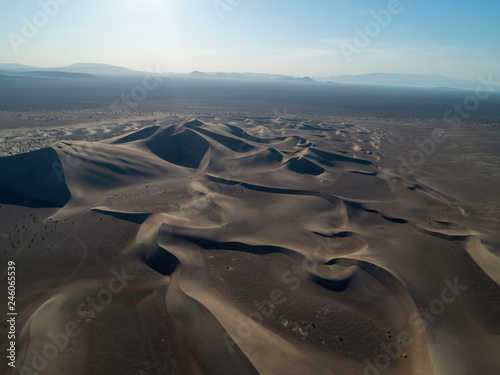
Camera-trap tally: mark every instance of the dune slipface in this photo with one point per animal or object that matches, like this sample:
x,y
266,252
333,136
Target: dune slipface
x,y
241,248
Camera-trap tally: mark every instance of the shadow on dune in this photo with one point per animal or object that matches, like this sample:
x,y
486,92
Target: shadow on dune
x,y
186,149
34,179
304,166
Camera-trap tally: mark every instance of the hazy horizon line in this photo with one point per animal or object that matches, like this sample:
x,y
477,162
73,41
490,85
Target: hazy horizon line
x,y
233,72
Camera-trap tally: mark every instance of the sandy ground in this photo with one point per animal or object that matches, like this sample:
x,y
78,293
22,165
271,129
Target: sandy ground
x,y
22,132
253,246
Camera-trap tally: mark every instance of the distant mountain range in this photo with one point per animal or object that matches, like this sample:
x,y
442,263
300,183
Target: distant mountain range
x,y
91,70
80,68
392,79
244,76
42,75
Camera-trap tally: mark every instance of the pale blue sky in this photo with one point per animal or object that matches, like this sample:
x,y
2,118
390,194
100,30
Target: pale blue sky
x,y
451,37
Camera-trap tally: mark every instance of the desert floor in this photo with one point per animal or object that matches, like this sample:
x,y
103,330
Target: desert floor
x,y
169,244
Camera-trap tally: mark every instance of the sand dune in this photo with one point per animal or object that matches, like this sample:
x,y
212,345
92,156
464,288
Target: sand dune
x,y
250,249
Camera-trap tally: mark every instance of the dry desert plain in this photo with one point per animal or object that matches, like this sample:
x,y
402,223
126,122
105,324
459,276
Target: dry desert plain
x,y
169,244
